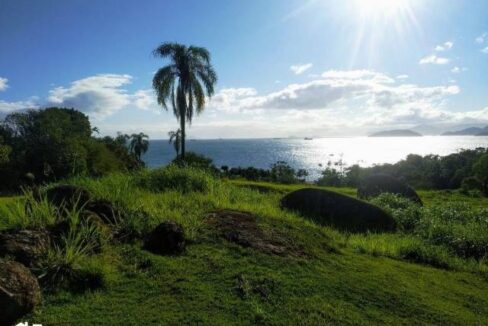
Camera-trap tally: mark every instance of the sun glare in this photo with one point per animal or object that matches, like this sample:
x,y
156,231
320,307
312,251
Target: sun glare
x,y
385,8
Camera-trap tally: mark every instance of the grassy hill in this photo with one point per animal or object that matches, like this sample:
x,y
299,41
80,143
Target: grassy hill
x,y
322,277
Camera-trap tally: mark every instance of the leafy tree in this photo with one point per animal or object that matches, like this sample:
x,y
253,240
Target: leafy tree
x,y
139,144
119,146
331,177
48,143
4,152
480,169
56,143
281,172
175,138
101,160
184,82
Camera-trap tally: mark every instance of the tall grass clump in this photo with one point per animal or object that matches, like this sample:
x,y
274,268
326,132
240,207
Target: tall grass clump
x,y
173,177
62,264
117,188
27,212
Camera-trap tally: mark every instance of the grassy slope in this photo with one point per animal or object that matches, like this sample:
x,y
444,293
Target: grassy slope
x,y
331,284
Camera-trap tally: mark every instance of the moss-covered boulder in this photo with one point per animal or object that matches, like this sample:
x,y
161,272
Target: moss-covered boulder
x,y
337,210
19,291
375,185
168,238
25,246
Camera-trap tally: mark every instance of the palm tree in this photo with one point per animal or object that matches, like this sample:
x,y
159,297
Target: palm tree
x,y
175,138
184,82
139,144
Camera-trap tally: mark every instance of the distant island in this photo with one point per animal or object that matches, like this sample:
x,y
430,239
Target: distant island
x,y
472,131
396,133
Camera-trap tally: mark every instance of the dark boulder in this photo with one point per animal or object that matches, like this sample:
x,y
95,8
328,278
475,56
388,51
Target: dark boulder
x,y
168,238
19,292
68,196
105,209
25,246
337,210
376,184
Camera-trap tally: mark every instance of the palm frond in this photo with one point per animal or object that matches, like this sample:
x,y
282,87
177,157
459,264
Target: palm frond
x,y
199,53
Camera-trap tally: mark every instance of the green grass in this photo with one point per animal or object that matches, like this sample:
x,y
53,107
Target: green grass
x,y
339,279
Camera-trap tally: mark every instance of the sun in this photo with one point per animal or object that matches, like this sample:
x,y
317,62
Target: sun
x,y
385,8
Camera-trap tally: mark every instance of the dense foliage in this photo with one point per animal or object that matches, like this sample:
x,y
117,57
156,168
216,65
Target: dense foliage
x,y
279,172
426,172
458,227
56,143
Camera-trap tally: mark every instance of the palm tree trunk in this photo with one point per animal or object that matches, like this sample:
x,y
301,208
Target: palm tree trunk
x,y
183,136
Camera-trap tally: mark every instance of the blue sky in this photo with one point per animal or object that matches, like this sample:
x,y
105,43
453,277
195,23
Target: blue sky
x,y
286,67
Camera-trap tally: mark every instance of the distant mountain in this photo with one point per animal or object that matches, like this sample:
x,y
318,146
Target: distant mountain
x,y
483,133
433,129
396,133
471,131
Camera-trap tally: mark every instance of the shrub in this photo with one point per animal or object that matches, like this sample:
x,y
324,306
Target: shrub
x,y
331,177
412,248
340,211
406,213
462,229
172,177
281,172
195,160
377,184
471,183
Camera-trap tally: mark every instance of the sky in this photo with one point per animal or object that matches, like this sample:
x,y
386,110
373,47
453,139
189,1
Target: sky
x,y
304,68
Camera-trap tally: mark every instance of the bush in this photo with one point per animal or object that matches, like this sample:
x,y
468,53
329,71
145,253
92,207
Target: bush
x,y
471,183
281,172
377,184
340,211
196,161
406,213
462,229
173,177
331,177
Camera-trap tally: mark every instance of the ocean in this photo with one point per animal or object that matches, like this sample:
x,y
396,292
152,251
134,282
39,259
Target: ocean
x,y
308,154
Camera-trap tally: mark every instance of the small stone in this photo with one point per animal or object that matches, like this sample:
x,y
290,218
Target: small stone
x,y
168,238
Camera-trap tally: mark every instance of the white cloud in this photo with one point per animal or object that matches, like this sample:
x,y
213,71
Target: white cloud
x,y
3,84
444,47
358,90
485,50
357,75
300,68
8,107
482,38
433,59
457,70
402,77
97,96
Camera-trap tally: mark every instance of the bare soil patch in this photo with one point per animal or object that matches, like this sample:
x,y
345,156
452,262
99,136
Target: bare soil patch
x,y
242,228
